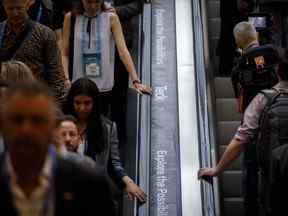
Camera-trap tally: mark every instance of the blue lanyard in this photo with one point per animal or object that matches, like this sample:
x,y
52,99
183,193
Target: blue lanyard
x,y
50,193
2,32
39,15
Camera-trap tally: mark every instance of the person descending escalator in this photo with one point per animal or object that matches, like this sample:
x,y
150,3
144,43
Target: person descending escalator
x,y
253,72
265,123
32,43
98,134
89,38
231,13
34,179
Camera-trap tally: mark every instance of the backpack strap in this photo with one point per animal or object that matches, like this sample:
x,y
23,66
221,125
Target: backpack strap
x,y
9,53
271,95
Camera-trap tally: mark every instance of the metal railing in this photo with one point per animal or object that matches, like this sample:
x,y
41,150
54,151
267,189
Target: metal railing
x,y
204,151
210,192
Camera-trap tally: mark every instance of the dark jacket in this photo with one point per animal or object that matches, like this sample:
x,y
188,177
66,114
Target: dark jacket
x,y
109,160
126,10
78,191
60,7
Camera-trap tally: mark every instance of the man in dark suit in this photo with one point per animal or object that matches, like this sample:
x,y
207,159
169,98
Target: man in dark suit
x,y
33,179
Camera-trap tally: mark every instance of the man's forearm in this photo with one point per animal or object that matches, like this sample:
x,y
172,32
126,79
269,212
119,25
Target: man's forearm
x,y
232,151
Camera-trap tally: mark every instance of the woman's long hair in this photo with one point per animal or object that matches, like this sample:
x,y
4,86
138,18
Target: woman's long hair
x,y
78,7
94,130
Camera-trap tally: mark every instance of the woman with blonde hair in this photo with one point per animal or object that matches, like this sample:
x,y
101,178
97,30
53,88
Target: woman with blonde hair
x,y
14,71
11,72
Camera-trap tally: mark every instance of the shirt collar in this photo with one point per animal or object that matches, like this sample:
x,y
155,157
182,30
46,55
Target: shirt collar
x,y
250,45
45,174
19,29
62,150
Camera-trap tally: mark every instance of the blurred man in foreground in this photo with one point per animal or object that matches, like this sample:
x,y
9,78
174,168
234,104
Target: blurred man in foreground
x,y
33,179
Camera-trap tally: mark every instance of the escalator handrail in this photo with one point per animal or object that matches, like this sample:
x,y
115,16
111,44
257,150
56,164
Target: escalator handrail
x,y
207,142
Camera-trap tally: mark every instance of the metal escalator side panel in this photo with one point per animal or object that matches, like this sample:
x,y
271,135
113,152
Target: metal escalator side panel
x,y
188,118
165,179
164,166
144,111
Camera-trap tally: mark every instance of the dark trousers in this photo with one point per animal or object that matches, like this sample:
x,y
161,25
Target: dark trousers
x,y
105,99
119,102
250,181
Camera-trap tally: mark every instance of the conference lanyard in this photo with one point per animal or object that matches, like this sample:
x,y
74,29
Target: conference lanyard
x,y
2,32
50,193
91,56
39,15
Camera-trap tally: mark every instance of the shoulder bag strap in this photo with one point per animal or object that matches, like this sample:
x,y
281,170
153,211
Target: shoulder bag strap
x,y
9,53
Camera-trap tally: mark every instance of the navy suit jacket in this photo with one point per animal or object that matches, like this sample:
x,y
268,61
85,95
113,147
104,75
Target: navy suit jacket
x,y
78,191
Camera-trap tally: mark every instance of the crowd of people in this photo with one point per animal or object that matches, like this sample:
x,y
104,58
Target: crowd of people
x,y
63,85
59,144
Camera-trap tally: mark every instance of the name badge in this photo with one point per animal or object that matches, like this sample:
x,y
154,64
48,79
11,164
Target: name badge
x,y
92,64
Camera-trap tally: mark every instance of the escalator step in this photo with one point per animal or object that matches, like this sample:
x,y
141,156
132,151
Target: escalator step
x,y
223,87
214,27
233,207
231,184
213,8
227,110
213,44
226,131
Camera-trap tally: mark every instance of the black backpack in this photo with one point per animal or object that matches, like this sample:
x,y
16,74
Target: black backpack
x,y
254,71
272,149
256,68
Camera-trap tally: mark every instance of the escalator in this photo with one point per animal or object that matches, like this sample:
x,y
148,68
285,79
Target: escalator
x,y
190,118
169,134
